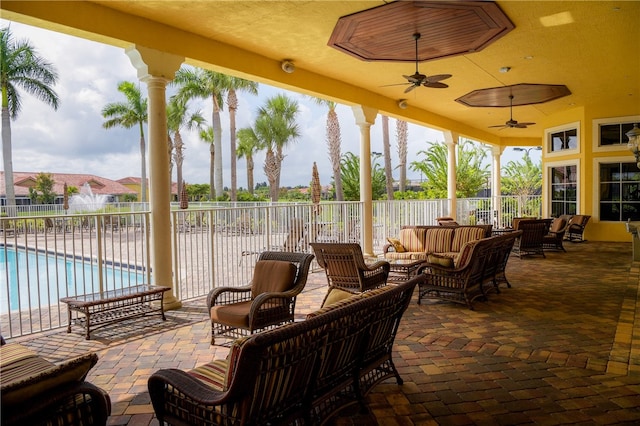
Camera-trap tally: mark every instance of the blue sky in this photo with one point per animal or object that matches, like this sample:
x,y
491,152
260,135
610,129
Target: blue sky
x,y
72,139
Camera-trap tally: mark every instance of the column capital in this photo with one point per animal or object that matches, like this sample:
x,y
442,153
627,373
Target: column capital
x,y
450,138
153,63
364,115
497,150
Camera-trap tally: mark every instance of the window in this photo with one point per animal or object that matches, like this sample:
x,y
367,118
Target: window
x,y
619,191
614,134
564,140
564,190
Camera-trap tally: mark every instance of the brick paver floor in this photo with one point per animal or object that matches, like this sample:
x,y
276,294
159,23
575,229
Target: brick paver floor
x,y
560,347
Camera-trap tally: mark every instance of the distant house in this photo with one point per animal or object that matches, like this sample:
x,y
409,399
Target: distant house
x,y
22,181
135,183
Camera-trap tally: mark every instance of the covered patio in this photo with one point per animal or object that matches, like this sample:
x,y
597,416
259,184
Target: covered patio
x,y
559,347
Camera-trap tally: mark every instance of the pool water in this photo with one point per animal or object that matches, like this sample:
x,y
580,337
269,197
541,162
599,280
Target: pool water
x,y
29,279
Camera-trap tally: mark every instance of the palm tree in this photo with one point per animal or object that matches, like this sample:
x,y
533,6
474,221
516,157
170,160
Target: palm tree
x,y
236,84
522,178
207,135
350,169
387,157
248,144
128,114
401,137
334,141
204,84
471,174
177,118
20,67
275,128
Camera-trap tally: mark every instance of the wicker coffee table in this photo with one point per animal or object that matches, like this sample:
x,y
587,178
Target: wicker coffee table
x,y
99,309
403,269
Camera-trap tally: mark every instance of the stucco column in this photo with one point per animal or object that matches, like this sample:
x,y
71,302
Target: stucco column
x,y
156,69
365,117
451,139
496,187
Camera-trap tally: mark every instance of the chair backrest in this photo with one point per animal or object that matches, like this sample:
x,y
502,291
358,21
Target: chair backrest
x,y
558,225
342,263
533,232
301,260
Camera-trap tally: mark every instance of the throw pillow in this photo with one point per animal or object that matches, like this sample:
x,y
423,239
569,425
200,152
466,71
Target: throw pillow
x,y
397,245
272,276
335,295
445,261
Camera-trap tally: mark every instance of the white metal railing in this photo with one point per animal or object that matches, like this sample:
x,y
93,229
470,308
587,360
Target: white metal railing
x,y
48,257
45,258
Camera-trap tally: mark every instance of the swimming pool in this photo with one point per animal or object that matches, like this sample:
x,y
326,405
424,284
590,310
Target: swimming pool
x,y
30,279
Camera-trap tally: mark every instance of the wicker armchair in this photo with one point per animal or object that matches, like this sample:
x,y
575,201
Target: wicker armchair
x,y
346,269
576,228
461,283
267,302
530,242
553,240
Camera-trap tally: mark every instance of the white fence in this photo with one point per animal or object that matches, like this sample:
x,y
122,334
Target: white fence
x,y
44,258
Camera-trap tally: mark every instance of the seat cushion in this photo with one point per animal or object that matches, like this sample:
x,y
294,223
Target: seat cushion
x,y
234,314
26,375
464,256
464,234
438,240
444,261
219,373
272,276
412,238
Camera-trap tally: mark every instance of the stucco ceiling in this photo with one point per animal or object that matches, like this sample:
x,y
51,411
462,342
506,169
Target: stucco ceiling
x,y
592,47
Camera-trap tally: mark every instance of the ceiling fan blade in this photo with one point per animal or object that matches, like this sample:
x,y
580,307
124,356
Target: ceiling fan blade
x,y
498,125
436,85
527,124
410,88
438,77
396,84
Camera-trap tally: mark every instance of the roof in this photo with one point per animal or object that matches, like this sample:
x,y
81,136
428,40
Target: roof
x,y
99,185
589,46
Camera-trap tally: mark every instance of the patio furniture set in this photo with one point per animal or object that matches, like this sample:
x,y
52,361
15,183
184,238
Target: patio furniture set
x,y
319,366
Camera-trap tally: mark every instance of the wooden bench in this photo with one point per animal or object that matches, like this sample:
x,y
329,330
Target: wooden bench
x,y
108,307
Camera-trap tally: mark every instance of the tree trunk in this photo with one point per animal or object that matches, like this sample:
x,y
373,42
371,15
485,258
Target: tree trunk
x,y
401,137
217,142
250,174
387,157
143,166
334,142
7,161
212,157
232,102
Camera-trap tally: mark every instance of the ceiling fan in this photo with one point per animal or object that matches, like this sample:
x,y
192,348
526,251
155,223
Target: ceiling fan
x,y
417,79
511,123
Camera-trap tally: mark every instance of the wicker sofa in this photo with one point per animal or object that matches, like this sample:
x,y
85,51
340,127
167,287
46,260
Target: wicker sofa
x,y
300,373
480,268
35,391
418,242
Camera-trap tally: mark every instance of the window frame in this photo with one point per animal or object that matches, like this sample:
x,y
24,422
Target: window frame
x,y
549,183
597,162
598,122
562,128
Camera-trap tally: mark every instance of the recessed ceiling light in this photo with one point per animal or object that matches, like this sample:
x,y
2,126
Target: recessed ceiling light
x,y
528,58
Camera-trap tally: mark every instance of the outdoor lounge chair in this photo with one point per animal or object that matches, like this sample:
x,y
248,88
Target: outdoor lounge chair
x,y
530,242
576,228
267,302
553,240
346,269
